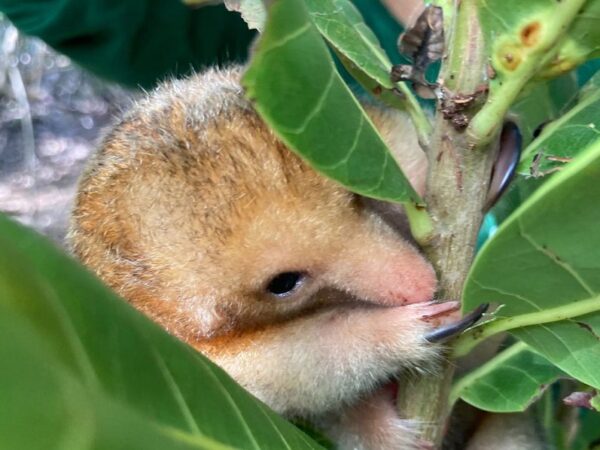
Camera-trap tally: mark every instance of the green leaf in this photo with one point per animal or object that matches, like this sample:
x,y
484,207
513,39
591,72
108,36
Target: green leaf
x,y
342,25
45,407
359,50
340,22
582,41
82,369
509,382
297,91
543,264
568,135
512,27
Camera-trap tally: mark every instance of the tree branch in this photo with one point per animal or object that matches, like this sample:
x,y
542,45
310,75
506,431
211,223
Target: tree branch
x,y
457,184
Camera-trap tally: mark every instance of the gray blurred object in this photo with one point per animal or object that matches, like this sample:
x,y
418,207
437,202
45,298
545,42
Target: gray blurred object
x,y
51,116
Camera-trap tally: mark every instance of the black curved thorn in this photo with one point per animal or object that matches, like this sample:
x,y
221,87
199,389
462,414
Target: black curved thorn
x,y
451,330
506,163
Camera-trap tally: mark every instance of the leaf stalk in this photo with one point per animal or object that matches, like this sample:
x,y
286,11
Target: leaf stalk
x,y
469,340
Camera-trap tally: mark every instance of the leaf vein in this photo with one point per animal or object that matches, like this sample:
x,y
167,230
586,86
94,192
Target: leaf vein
x,y
507,293
318,104
553,257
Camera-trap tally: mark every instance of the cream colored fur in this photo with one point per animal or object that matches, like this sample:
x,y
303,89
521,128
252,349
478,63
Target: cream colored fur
x,y
192,205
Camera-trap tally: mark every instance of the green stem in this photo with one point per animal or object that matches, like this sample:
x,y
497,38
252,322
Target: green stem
x,y
457,183
466,342
552,27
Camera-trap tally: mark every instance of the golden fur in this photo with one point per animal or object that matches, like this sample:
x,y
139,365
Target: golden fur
x,y
192,205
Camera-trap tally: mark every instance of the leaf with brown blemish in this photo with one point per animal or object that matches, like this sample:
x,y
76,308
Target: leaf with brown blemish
x,y
514,28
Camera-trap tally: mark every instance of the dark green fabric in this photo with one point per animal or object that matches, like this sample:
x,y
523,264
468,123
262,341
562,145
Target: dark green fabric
x,y
140,42
135,42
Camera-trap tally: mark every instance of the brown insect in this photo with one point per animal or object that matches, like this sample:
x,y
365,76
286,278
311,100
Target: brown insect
x,y
534,169
424,44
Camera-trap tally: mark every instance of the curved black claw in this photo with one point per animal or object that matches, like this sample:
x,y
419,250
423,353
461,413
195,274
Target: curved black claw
x,y
506,163
450,330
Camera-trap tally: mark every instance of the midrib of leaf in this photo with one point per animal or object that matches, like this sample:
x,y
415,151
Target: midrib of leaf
x,y
411,104
381,57
468,340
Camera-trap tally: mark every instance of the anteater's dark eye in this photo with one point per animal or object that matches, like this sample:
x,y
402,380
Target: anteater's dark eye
x,y
285,283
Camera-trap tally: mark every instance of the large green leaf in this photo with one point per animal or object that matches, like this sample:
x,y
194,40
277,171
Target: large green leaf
x,y
297,91
543,264
509,382
45,407
511,27
81,369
